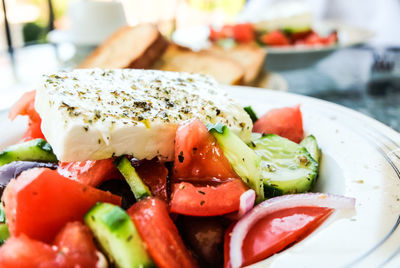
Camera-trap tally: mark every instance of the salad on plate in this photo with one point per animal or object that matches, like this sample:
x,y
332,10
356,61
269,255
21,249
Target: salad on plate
x,y
143,168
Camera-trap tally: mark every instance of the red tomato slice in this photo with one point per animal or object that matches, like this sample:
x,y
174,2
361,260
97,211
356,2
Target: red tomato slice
x,y
207,200
40,202
313,39
243,32
75,242
33,132
275,38
154,174
23,252
91,172
161,236
225,31
286,122
198,156
26,106
277,231
73,247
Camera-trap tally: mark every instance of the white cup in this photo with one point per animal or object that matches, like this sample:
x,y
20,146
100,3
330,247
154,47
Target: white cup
x,y
90,22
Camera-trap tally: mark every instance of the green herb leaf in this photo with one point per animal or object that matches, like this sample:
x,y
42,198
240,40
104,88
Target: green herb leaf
x,y
251,113
218,127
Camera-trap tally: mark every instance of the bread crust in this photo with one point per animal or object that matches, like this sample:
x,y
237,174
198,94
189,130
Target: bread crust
x,y
156,46
181,59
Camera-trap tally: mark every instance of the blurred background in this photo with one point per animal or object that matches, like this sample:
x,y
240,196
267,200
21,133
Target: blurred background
x,y
347,52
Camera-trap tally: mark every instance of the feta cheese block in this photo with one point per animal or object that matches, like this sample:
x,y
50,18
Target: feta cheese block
x,y
92,114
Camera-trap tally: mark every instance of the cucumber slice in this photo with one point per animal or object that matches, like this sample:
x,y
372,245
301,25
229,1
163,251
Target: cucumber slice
x,y
243,160
2,215
287,167
139,189
4,233
117,235
310,143
33,150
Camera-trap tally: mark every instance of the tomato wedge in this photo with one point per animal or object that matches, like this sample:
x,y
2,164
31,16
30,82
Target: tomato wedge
x,y
277,231
198,156
154,175
23,252
73,247
75,242
161,236
207,200
275,38
90,172
26,106
40,201
243,32
286,122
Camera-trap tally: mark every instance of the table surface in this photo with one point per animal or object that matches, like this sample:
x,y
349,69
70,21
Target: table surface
x,y
343,77
346,78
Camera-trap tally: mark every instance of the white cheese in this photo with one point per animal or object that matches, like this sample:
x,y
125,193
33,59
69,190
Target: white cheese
x,y
93,114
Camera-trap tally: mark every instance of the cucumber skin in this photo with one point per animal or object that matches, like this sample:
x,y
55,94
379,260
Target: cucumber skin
x,y
33,150
310,143
276,188
138,187
117,235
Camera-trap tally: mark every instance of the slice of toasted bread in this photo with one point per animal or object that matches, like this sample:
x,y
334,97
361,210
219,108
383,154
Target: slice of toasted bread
x,y
129,47
179,59
249,56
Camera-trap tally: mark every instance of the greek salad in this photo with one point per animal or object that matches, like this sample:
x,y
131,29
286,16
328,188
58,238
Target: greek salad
x,y
218,202
228,35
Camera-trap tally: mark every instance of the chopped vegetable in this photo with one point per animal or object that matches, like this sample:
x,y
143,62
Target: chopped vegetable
x,y
310,143
73,247
247,200
208,200
23,251
34,150
198,156
13,169
26,106
286,122
40,201
90,172
154,174
159,233
138,187
118,236
244,160
251,113
287,167
275,38
4,233
274,205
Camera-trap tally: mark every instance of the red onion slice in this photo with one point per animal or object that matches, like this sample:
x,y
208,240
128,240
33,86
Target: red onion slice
x,y
243,226
247,200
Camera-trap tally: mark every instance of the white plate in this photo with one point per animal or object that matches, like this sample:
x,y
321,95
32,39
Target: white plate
x,y
285,58
361,159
